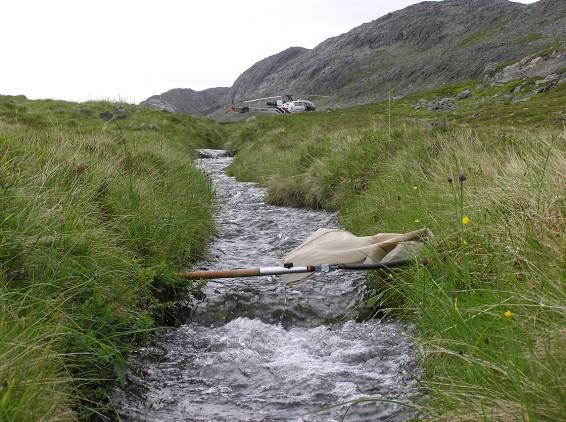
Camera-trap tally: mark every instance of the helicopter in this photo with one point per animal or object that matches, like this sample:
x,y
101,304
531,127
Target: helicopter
x,y
278,104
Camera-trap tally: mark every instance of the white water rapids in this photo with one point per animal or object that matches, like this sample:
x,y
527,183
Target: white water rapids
x,y
256,350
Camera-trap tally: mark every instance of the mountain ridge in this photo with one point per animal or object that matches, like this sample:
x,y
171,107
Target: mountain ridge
x,y
422,46
202,102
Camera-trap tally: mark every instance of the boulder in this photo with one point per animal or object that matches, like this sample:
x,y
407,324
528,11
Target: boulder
x,y
531,67
464,94
443,104
520,87
543,85
490,69
120,113
106,116
552,78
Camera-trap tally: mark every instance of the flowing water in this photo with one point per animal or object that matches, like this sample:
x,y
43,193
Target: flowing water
x,y
257,350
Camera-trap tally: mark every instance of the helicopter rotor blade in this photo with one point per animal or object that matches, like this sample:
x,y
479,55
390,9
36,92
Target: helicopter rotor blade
x,y
260,99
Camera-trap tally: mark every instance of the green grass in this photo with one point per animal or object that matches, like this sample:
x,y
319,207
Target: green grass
x,y
479,364
95,220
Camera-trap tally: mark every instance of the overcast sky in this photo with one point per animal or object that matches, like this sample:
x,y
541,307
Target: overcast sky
x,y
131,49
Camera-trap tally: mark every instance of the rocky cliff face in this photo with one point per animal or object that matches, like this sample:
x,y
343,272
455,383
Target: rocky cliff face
x,y
420,47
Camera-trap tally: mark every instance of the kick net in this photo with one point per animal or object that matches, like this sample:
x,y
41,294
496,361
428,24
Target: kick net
x,y
333,246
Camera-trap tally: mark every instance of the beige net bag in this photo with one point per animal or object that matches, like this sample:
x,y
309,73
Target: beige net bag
x,y
333,246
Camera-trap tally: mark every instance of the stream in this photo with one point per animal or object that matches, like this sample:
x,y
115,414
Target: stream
x,y
258,350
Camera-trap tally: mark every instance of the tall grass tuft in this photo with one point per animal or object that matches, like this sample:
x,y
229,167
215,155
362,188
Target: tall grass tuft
x,y
95,219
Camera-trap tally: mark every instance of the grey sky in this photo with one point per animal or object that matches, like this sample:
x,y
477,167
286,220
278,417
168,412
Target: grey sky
x,y
130,49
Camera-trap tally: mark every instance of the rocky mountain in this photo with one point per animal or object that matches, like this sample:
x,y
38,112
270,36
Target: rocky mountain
x,y
420,47
188,101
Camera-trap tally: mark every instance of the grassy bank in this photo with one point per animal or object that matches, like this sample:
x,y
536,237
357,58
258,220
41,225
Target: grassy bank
x,y
489,307
95,217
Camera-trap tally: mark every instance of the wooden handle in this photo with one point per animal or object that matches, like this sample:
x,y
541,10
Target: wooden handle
x,y
201,275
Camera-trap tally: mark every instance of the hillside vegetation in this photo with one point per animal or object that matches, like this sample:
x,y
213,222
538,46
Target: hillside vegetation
x,y
489,306
95,217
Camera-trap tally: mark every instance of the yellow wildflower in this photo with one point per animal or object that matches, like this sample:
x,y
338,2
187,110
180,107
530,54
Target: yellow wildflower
x,y
508,314
466,220
417,221
414,188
